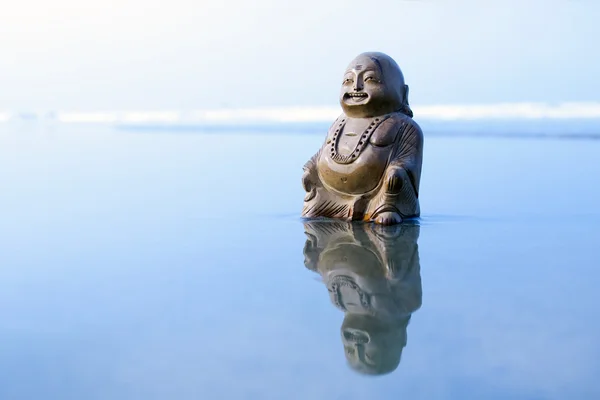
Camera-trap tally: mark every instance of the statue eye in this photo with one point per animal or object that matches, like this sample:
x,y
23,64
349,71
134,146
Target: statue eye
x,y
371,78
347,81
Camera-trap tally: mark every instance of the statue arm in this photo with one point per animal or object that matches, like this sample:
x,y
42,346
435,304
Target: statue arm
x,y
410,148
312,163
409,155
310,177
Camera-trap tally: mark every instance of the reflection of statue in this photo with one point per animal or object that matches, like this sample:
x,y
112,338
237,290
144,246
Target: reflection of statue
x,y
372,273
369,167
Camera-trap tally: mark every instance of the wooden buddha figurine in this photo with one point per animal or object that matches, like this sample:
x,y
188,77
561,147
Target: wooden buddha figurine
x,y
369,167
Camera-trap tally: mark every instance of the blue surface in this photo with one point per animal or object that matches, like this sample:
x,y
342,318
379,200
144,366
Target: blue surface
x,y
154,265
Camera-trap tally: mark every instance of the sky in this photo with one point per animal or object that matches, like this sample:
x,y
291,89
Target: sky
x,y
194,54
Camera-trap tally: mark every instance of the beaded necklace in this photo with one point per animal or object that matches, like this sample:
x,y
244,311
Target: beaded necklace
x,y
362,142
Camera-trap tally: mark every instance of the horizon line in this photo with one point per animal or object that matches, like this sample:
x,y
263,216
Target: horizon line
x,y
295,114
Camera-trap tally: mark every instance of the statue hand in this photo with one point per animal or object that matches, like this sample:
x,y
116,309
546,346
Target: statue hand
x,y
308,185
306,181
394,179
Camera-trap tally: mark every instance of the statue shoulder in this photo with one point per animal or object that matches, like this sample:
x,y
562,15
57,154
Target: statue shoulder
x,y
393,128
409,129
406,123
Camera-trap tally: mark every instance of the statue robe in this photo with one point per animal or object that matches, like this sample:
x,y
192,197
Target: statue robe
x,y
356,186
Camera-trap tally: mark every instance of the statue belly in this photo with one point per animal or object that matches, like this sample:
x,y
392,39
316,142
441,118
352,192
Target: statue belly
x,y
359,177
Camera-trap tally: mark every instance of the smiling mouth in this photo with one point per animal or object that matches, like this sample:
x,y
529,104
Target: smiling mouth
x,y
357,97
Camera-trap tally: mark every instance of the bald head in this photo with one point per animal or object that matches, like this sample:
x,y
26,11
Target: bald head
x,y
373,85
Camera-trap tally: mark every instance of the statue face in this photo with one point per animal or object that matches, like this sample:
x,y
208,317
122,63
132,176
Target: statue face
x,y
372,346
373,85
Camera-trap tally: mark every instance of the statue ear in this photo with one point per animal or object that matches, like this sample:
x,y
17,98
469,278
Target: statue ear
x,y
405,107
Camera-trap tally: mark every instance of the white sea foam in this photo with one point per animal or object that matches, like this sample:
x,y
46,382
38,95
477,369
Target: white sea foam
x,y
462,112
511,111
90,117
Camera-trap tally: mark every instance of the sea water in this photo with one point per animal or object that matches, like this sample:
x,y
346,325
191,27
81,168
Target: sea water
x,y
159,264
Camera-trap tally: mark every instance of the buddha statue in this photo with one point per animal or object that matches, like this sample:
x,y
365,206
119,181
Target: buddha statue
x,y
369,167
372,274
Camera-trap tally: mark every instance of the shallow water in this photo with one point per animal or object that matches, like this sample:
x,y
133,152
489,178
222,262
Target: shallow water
x,y
156,265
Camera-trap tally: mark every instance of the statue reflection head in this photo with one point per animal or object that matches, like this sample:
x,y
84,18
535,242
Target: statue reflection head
x,y
372,274
373,346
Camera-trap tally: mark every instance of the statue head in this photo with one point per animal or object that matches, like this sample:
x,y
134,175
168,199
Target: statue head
x,y
373,85
373,346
